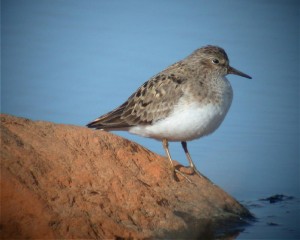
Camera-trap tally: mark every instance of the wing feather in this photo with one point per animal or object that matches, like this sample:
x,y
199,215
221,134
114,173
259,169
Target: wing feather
x,y
153,101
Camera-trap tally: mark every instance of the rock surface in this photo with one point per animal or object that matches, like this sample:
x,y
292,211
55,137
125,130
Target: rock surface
x,y
62,181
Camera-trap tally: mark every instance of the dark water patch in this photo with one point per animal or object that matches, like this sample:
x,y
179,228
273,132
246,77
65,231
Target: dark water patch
x,y
272,224
277,198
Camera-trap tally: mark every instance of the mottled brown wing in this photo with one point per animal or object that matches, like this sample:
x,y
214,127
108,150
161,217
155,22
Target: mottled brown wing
x,y
152,101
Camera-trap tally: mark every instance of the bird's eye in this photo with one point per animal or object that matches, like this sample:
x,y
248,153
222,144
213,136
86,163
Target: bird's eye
x,y
215,61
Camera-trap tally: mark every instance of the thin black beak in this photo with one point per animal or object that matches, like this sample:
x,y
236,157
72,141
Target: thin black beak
x,y
232,70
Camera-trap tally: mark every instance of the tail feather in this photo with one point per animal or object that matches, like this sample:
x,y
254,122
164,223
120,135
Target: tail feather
x,y
110,121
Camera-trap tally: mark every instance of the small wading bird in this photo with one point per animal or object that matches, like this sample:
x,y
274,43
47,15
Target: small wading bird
x,y
186,101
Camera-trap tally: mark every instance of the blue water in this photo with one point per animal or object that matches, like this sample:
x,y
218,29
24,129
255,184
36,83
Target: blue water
x,y
71,61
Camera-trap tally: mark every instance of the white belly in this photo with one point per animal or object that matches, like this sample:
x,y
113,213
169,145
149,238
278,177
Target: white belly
x,y
186,123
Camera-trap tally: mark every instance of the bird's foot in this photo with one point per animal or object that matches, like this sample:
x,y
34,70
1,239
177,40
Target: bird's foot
x,y
193,171
182,174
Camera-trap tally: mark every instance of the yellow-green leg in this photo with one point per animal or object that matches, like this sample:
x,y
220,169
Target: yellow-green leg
x,y
192,165
174,170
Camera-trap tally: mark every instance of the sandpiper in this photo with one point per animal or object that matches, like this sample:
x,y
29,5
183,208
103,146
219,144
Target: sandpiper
x,y
186,101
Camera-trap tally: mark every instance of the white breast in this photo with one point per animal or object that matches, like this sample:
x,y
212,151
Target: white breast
x,y
185,123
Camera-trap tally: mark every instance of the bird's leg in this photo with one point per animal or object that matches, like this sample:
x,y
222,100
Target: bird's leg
x,y
174,170
166,147
192,165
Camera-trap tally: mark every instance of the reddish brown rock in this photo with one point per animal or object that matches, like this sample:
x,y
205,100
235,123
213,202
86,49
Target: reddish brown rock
x,y
62,181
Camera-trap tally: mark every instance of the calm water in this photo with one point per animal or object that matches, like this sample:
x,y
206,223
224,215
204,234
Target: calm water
x,y
71,61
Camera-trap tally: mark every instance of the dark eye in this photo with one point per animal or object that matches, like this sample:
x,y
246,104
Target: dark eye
x,y
215,61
